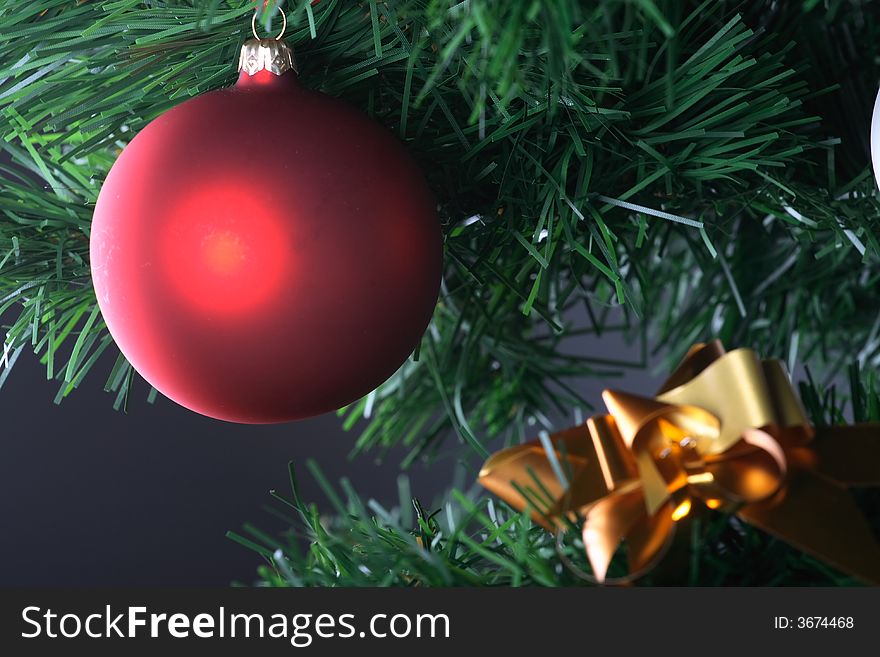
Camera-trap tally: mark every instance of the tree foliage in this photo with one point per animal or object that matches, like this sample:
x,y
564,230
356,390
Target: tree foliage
x,y
672,170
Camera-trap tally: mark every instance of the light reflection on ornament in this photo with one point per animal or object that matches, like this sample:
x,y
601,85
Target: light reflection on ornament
x,y
224,253
225,250
681,510
701,478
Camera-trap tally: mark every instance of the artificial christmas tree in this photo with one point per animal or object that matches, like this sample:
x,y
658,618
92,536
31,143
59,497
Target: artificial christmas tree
x,y
673,171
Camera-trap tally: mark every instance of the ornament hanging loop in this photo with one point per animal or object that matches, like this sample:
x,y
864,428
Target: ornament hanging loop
x,y
283,25
273,54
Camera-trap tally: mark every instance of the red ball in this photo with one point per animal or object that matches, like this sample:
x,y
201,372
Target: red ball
x,y
265,253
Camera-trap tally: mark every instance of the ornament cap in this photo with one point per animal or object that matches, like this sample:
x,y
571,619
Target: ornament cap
x,y
273,55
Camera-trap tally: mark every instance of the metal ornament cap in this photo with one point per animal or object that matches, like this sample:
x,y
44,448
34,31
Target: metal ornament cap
x,y
273,55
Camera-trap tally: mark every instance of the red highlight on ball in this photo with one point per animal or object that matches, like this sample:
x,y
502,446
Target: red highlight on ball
x,y
226,250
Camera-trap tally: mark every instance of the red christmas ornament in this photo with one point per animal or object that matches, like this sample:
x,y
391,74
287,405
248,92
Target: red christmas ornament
x,y
264,253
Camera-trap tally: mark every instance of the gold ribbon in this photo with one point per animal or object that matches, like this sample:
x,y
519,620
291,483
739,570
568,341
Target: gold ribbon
x,y
726,430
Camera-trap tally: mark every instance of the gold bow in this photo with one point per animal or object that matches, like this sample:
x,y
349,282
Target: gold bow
x,y
727,430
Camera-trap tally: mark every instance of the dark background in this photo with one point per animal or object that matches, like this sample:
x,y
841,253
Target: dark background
x,y
90,496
